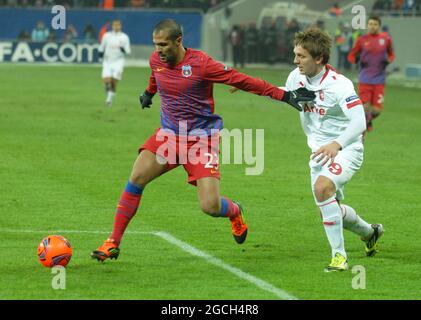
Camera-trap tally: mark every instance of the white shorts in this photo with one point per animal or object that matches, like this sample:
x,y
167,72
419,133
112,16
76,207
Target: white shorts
x,y
347,163
113,70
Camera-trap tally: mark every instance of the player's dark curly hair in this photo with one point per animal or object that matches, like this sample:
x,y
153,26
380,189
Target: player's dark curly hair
x,y
317,42
174,29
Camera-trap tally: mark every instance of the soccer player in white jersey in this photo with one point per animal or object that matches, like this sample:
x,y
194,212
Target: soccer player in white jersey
x,y
334,124
115,45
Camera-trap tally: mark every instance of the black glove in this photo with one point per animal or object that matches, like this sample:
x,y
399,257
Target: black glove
x,y
122,50
146,99
385,63
300,95
100,55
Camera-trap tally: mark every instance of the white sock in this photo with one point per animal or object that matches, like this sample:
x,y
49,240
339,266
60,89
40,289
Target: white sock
x,y
110,96
332,222
354,223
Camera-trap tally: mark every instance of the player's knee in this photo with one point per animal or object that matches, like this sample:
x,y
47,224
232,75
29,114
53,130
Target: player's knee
x,y
139,179
323,191
211,207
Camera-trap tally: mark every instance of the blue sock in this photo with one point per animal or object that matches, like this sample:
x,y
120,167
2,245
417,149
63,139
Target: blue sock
x,y
224,207
133,189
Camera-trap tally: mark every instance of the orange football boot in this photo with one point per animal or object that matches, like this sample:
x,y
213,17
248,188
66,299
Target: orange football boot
x,y
239,228
108,250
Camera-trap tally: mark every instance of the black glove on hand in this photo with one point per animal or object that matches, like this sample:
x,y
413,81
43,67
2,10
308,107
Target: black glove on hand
x,y
122,50
100,55
293,98
146,99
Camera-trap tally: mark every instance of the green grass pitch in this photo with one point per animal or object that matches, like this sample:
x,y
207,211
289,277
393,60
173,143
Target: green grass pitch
x,y
65,159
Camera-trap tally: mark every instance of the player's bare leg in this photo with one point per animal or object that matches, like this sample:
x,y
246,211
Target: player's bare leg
x,y
108,90
113,88
325,192
145,169
375,112
214,205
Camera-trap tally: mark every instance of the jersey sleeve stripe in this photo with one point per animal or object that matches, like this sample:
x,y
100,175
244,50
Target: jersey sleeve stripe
x,y
354,104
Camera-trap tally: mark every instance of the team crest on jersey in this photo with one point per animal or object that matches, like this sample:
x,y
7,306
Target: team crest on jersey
x,y
186,71
382,42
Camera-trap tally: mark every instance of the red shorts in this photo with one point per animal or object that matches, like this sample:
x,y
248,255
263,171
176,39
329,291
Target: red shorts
x,y
372,94
199,155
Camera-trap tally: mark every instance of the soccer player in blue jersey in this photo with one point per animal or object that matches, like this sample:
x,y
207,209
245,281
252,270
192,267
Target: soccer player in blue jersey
x,y
184,79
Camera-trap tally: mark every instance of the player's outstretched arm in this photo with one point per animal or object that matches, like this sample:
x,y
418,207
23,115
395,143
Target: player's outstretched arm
x,y
293,98
218,73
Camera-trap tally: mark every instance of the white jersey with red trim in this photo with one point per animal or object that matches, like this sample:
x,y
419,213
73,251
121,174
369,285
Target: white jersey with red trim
x,y
324,119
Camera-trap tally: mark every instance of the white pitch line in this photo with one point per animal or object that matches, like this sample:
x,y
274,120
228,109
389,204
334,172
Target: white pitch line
x,y
221,264
187,248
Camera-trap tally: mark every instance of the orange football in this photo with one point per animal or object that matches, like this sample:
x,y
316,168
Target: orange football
x,y
53,251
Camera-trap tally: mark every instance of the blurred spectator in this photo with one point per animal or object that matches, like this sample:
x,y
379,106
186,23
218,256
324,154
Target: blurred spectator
x,y
251,41
271,42
225,30
408,6
344,42
417,5
320,24
24,36
52,36
398,4
382,5
137,3
40,32
111,4
106,4
397,7
261,57
385,29
237,46
11,3
70,34
293,28
335,11
89,34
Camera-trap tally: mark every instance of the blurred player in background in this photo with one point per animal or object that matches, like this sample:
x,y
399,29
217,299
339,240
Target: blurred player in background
x,y
374,52
184,78
334,124
115,45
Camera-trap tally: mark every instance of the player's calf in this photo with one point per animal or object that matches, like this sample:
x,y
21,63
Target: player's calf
x,y
211,206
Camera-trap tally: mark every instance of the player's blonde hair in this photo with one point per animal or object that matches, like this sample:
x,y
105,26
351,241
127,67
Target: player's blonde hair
x,y
317,42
